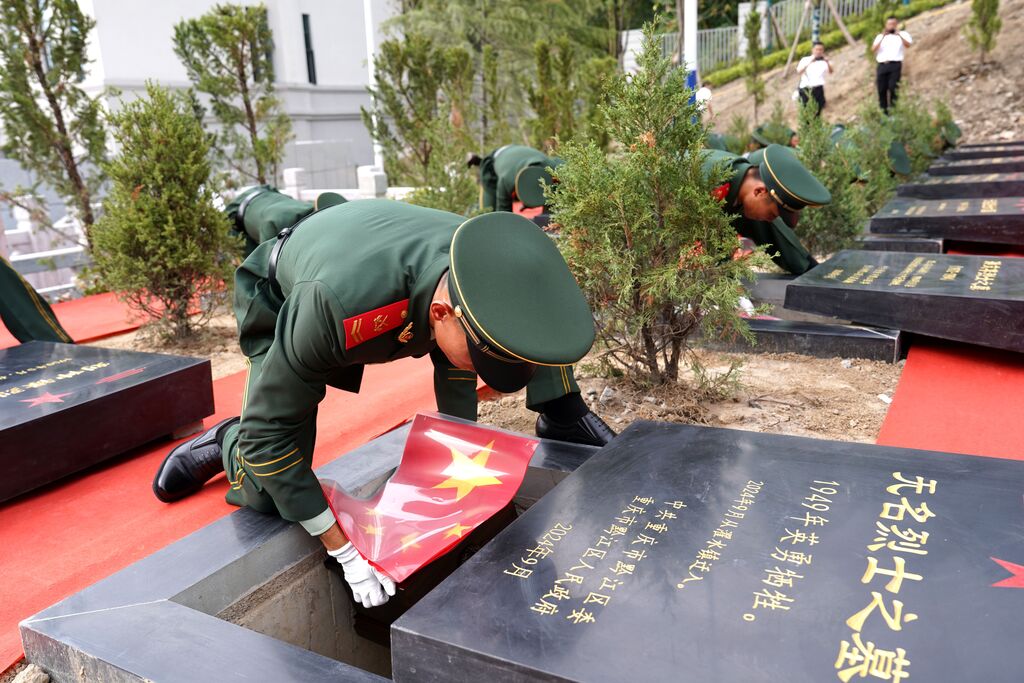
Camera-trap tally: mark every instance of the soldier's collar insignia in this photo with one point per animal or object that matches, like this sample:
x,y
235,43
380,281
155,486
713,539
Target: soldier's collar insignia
x,y
406,334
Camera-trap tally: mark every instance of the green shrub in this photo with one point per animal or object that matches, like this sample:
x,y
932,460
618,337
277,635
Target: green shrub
x,y
983,27
754,66
832,227
738,134
869,142
161,243
912,125
649,245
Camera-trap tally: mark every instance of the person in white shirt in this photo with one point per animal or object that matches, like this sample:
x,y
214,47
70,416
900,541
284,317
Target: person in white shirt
x,y
812,70
889,49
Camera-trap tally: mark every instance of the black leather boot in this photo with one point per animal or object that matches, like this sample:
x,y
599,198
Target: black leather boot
x,y
191,464
589,430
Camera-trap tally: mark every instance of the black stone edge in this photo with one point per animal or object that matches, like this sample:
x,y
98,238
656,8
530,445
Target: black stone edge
x,y
152,618
971,166
953,188
414,650
908,244
1005,228
820,340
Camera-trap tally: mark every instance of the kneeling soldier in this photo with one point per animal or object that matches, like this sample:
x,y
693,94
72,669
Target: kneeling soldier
x,y
513,172
261,212
766,193
370,282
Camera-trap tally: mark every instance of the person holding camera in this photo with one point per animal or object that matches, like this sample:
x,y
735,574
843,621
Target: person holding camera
x,y
812,70
889,48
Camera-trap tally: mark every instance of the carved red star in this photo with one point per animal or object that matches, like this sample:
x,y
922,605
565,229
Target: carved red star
x,y
44,398
1017,578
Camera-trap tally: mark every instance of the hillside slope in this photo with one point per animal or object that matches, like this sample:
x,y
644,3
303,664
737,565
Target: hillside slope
x,y
987,100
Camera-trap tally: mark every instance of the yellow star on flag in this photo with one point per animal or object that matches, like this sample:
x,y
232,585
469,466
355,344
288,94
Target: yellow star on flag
x,y
458,530
409,540
370,529
465,474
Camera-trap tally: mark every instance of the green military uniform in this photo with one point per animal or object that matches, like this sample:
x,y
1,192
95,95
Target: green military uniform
x,y
261,212
899,161
950,133
355,286
24,312
790,185
511,172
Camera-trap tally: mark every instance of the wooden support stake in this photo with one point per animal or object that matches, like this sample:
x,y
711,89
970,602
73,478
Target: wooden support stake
x,y
778,30
796,39
840,22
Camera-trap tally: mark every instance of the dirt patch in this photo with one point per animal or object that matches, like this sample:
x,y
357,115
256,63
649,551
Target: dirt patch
x,y
218,342
986,100
829,398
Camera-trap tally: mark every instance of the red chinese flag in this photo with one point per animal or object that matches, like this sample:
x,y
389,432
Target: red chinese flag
x,y
452,478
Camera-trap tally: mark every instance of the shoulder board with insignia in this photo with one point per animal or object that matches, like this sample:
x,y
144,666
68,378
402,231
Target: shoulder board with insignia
x,y
366,326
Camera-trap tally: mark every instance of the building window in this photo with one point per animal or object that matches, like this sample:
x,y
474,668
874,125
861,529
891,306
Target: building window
x,y
310,58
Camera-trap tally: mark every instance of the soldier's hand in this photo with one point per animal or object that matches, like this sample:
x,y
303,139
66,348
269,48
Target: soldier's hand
x,y
370,587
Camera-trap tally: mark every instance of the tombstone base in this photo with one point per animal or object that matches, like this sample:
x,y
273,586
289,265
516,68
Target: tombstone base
x,y
819,340
187,430
919,245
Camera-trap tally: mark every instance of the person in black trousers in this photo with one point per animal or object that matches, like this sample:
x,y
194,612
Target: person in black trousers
x,y
889,48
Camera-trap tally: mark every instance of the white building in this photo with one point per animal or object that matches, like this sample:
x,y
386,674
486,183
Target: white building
x,y
321,69
132,42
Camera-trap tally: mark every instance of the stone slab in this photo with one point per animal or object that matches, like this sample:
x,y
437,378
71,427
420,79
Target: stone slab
x,y
1010,164
916,245
984,152
995,220
968,186
821,340
65,407
683,553
156,620
973,299
992,143
770,288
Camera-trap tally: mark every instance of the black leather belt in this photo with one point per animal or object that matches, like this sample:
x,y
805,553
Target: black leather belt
x,y
242,206
275,253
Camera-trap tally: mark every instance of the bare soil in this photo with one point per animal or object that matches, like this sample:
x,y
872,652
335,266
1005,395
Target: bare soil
x,y
833,398
986,99
218,342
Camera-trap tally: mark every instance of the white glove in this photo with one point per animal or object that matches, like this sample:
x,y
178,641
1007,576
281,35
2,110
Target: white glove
x,y
369,587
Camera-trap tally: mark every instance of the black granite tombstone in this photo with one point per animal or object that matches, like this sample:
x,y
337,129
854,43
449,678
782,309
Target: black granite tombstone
x,y
984,151
65,407
974,299
970,186
998,220
1011,164
682,553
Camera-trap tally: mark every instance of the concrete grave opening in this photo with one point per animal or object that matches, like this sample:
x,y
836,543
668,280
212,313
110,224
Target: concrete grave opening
x,y
245,598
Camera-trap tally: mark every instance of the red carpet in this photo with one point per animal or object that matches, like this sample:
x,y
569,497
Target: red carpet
x,y
69,535
88,319
958,398
980,249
